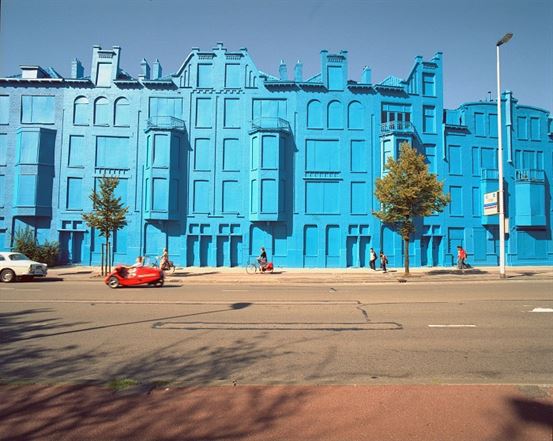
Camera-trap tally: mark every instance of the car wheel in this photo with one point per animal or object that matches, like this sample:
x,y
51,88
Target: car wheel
x,y
7,276
159,283
113,282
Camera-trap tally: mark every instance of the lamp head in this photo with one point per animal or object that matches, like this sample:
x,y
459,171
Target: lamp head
x,y
505,39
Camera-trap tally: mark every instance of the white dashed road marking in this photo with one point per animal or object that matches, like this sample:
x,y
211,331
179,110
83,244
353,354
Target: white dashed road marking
x,y
452,326
542,310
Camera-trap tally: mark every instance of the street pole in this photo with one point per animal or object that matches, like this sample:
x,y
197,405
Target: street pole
x,y
501,195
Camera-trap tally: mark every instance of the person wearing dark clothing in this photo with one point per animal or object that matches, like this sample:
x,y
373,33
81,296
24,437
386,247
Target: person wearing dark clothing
x,y
383,262
262,259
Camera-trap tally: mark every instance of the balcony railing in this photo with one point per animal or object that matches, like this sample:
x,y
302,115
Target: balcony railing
x,y
165,122
268,123
490,174
530,175
396,126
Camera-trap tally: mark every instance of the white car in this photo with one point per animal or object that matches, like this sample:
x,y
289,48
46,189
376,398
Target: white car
x,y
14,265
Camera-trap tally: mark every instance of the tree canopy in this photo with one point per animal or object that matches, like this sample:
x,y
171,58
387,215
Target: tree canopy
x,y
108,214
407,191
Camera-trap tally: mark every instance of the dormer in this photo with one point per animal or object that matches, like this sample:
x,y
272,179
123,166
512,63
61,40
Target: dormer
x,y
33,72
105,65
334,70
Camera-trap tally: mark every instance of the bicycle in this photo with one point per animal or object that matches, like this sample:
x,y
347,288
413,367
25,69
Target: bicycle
x,y
167,267
255,267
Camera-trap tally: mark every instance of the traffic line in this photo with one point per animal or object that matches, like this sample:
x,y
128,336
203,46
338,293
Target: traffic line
x,y
194,326
452,326
542,310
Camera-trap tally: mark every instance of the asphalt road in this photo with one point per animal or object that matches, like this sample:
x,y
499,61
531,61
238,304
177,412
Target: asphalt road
x,y
450,333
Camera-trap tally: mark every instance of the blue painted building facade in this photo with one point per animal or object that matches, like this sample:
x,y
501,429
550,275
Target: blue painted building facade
x,y
219,159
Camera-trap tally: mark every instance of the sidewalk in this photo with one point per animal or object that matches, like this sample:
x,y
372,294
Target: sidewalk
x,y
291,276
265,413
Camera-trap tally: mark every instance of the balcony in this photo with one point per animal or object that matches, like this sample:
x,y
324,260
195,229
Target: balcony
x,y
529,175
165,122
395,127
268,124
490,174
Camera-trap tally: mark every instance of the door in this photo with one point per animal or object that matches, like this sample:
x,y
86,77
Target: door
x,y
425,241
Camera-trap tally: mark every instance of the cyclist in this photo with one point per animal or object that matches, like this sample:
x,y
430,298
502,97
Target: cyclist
x,y
164,261
262,259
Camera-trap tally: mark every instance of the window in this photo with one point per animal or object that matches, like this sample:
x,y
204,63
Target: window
x,y
314,115
232,76
74,193
4,112
122,113
36,109
103,75
322,155
80,111
3,148
335,78
112,152
429,119
204,113
428,84
205,79
335,115
76,151
101,112
232,113
165,107
355,115
28,147
396,115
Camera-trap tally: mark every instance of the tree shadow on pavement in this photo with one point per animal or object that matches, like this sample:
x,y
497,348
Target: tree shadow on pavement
x,y
533,420
155,409
455,271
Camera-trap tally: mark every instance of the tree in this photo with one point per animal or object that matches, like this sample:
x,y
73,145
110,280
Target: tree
x,y
406,192
108,214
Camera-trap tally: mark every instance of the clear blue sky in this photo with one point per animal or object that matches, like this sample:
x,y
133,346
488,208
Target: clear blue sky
x,y
385,35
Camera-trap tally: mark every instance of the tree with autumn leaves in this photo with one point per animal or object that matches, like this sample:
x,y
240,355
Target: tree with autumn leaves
x,y
407,191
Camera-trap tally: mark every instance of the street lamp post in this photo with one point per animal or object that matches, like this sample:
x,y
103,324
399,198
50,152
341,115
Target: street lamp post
x,y
501,196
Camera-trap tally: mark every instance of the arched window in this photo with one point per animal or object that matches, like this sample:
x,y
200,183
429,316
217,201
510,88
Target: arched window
x,y
335,115
101,112
355,115
80,111
121,112
314,115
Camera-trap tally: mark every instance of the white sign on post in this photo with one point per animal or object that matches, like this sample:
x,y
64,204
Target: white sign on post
x,y
490,204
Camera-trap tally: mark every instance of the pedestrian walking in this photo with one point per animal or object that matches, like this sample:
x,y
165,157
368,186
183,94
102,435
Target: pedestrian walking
x,y
461,258
383,261
372,259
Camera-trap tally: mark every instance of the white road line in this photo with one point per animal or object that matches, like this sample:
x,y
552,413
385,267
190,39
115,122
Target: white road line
x,y
542,310
452,326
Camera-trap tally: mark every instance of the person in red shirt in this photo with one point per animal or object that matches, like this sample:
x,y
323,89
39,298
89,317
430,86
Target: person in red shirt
x,y
461,257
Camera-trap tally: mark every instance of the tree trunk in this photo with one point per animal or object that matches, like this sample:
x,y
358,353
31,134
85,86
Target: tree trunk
x,y
406,243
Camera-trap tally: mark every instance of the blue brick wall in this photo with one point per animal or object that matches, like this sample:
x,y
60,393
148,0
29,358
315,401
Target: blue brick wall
x,y
219,159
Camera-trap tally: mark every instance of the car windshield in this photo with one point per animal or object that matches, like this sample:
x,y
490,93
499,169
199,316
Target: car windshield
x,y
18,256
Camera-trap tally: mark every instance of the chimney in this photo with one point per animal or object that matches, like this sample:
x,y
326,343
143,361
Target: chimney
x,y
144,70
283,71
77,70
298,72
366,76
156,70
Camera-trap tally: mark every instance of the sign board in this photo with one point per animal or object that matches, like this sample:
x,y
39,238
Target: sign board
x,y
491,206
